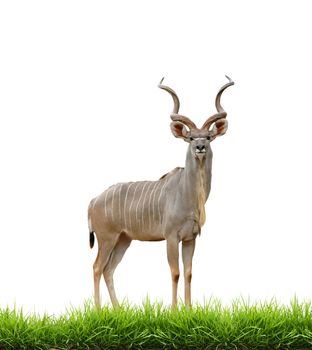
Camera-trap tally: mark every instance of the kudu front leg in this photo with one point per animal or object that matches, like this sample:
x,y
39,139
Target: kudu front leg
x,y
173,260
188,248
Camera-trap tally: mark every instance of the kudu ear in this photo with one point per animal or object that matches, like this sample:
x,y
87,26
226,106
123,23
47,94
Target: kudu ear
x,y
179,130
219,128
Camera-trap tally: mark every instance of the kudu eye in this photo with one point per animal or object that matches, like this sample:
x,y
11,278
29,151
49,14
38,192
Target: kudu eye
x,y
191,139
208,137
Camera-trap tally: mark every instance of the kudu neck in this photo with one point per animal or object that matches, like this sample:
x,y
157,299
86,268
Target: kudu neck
x,y
197,174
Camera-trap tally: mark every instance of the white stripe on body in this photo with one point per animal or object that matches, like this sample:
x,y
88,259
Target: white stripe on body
x,y
130,207
136,209
149,206
125,203
150,184
105,204
120,203
160,218
154,202
115,187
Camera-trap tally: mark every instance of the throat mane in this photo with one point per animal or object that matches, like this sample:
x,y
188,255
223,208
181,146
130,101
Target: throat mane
x,y
201,196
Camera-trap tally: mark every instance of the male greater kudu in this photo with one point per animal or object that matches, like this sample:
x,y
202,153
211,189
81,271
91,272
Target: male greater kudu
x,y
171,209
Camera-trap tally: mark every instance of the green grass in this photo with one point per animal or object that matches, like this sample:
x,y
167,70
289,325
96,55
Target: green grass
x,y
212,326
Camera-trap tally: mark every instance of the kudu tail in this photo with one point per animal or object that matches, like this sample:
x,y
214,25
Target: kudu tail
x,y
91,239
91,231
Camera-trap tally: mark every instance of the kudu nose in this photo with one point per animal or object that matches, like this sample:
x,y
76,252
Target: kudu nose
x,y
200,147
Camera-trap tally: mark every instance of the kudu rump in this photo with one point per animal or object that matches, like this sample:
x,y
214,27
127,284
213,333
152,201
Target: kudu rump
x,y
171,209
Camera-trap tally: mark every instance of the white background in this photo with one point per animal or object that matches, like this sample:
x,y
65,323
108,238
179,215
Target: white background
x,y
80,111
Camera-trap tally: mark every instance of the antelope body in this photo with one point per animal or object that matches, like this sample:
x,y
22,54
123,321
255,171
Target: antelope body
x,y
170,209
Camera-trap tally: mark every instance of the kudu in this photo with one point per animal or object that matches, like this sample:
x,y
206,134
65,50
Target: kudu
x,y
170,209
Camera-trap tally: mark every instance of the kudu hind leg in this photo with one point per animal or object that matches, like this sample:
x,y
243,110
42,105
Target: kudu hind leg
x,y
105,249
116,256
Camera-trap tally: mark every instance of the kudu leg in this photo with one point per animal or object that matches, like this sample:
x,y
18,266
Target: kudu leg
x,y
188,248
116,256
105,249
173,260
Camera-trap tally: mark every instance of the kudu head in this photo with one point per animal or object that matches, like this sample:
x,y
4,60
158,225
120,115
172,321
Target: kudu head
x,y
184,128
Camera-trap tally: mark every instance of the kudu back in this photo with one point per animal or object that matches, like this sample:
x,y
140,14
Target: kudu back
x,y
171,209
